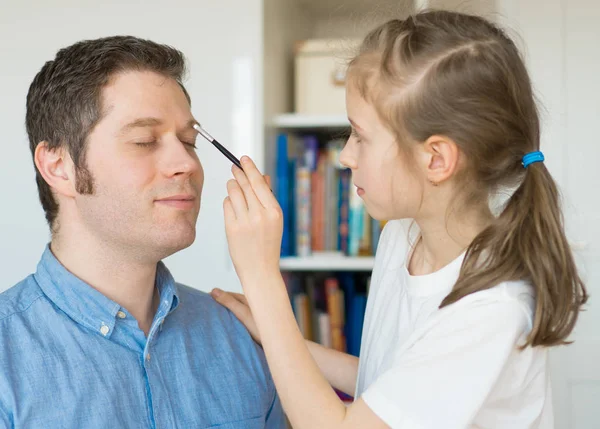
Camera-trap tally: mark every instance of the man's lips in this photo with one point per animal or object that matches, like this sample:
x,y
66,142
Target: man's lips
x,y
182,201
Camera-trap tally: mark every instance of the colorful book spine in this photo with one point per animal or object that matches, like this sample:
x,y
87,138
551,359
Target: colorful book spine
x,y
318,204
303,211
334,308
325,330
344,211
356,222
311,152
366,236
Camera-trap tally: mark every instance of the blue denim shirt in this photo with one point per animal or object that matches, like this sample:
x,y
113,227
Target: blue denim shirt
x,y
72,358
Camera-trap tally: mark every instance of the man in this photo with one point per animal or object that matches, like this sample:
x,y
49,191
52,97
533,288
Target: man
x,y
101,336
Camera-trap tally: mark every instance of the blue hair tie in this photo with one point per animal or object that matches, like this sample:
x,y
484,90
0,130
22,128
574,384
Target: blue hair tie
x,y
532,157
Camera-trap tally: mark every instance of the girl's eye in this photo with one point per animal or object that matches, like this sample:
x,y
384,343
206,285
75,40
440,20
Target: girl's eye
x,y
355,135
191,144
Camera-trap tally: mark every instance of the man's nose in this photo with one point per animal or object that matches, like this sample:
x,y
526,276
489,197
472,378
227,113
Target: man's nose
x,y
180,159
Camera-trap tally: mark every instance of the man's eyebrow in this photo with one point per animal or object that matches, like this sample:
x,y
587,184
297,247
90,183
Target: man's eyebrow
x,y
140,123
150,122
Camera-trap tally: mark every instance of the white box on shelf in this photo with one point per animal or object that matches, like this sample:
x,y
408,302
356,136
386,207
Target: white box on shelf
x,y
320,67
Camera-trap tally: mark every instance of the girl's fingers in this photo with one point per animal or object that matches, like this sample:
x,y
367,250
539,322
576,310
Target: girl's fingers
x,y
246,187
226,299
240,297
228,211
259,184
237,199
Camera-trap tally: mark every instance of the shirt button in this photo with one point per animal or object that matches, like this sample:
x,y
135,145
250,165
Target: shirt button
x,y
104,330
121,315
148,357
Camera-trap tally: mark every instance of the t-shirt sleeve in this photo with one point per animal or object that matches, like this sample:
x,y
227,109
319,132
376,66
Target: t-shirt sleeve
x,y
442,380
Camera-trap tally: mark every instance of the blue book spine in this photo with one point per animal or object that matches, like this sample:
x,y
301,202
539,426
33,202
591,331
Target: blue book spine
x,y
344,211
282,191
359,306
347,283
292,221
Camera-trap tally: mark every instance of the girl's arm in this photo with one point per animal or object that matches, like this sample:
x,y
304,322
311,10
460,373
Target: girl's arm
x,y
254,224
340,369
307,397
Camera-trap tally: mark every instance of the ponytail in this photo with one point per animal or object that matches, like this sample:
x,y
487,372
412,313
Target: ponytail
x,y
527,242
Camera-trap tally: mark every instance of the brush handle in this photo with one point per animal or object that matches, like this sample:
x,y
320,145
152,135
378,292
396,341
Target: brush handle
x,y
228,154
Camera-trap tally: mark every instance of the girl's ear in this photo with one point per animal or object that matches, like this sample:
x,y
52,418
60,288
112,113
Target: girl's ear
x,y
441,157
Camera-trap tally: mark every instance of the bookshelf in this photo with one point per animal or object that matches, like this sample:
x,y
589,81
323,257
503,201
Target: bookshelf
x,y
294,121
327,262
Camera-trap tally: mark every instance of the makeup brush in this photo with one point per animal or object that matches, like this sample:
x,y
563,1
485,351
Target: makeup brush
x,y
218,145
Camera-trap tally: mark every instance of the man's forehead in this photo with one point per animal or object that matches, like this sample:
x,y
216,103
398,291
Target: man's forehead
x,y
139,89
142,99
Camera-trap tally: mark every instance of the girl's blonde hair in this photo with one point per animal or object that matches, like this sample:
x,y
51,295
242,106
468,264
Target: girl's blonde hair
x,y
457,75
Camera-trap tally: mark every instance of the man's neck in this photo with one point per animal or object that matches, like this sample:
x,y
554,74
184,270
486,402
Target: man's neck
x,y
127,281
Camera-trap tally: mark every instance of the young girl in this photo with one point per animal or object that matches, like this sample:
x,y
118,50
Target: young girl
x,y
465,297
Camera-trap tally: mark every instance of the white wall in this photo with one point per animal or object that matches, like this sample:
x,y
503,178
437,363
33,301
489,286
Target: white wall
x,y
561,41
223,43
285,22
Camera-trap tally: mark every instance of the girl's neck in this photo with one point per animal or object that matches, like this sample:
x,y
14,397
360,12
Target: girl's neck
x,y
443,239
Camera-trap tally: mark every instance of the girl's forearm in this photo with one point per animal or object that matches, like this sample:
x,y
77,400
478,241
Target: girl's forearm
x,y
340,369
307,397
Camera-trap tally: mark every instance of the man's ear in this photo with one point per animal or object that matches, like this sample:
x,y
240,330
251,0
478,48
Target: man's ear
x,y
56,167
442,158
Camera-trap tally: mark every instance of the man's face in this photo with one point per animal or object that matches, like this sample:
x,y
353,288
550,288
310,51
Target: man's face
x,y
146,173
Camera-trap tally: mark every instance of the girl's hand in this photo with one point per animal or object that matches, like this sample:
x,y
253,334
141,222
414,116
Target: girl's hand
x,y
237,304
253,223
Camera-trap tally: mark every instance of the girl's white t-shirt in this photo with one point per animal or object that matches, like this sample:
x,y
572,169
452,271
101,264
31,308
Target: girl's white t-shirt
x,y
460,366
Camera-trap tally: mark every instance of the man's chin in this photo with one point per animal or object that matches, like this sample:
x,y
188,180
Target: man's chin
x,y
167,245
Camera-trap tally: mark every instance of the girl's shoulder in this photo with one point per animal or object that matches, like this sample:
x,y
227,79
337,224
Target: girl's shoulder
x,y
517,291
510,297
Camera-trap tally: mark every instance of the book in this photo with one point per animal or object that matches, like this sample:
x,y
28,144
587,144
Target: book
x,y
303,211
282,191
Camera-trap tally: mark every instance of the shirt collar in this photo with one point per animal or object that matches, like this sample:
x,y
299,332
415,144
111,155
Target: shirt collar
x,y
86,305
